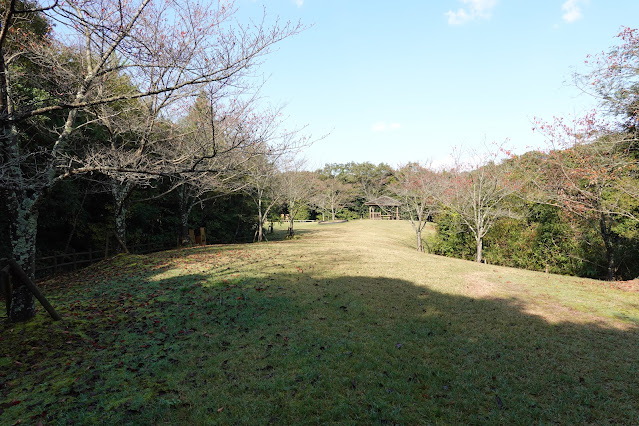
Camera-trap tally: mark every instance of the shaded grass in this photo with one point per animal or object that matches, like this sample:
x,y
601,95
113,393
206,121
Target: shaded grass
x,y
345,324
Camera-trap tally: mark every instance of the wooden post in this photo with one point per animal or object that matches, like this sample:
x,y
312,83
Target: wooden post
x,y
17,271
203,235
106,247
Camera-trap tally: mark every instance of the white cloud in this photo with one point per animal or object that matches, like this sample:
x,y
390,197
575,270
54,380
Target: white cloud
x,y
299,3
378,127
382,126
458,18
572,10
474,9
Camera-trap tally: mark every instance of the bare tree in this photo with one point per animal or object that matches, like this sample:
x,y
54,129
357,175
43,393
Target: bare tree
x,y
272,143
140,40
263,187
331,195
478,190
296,186
418,186
212,153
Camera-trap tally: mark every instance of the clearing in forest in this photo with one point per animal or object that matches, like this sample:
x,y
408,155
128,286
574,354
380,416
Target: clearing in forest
x,y
347,323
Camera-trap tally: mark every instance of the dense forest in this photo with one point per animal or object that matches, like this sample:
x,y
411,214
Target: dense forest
x,y
138,131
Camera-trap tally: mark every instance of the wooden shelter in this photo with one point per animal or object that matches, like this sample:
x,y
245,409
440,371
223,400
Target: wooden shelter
x,y
382,208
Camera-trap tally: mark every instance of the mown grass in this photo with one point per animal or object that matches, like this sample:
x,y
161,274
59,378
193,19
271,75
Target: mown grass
x,y
344,324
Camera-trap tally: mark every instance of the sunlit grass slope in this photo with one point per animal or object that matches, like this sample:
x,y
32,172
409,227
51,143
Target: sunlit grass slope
x,y
345,324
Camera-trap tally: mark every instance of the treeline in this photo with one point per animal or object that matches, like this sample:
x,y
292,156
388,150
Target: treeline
x,y
79,214
499,214
521,225
571,208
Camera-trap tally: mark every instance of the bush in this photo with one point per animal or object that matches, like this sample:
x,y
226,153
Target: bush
x,y
453,238
304,213
545,240
541,241
347,214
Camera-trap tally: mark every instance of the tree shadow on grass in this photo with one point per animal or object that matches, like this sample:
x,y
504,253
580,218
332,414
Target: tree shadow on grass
x,y
361,349
293,348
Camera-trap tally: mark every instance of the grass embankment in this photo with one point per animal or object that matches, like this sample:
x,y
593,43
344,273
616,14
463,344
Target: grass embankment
x,y
345,324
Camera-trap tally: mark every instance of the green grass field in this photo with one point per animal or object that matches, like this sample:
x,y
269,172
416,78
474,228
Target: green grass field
x,y
346,323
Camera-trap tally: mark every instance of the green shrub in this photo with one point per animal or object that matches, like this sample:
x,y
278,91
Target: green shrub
x,y
304,213
453,238
543,240
347,214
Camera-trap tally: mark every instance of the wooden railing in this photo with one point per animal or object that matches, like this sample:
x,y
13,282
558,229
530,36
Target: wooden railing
x,y
49,266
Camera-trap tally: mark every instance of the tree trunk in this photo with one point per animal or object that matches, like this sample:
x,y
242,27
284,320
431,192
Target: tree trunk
x,y
22,205
610,257
290,232
605,228
120,195
185,239
417,227
260,221
291,218
185,212
420,246
23,230
480,246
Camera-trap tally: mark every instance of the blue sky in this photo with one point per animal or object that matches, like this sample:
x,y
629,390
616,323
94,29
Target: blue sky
x,y
408,81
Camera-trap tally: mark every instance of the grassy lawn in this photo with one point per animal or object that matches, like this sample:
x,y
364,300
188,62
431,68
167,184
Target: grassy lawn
x,y
346,323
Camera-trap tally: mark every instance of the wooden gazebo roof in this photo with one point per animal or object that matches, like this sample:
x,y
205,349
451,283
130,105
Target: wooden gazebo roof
x,y
384,201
